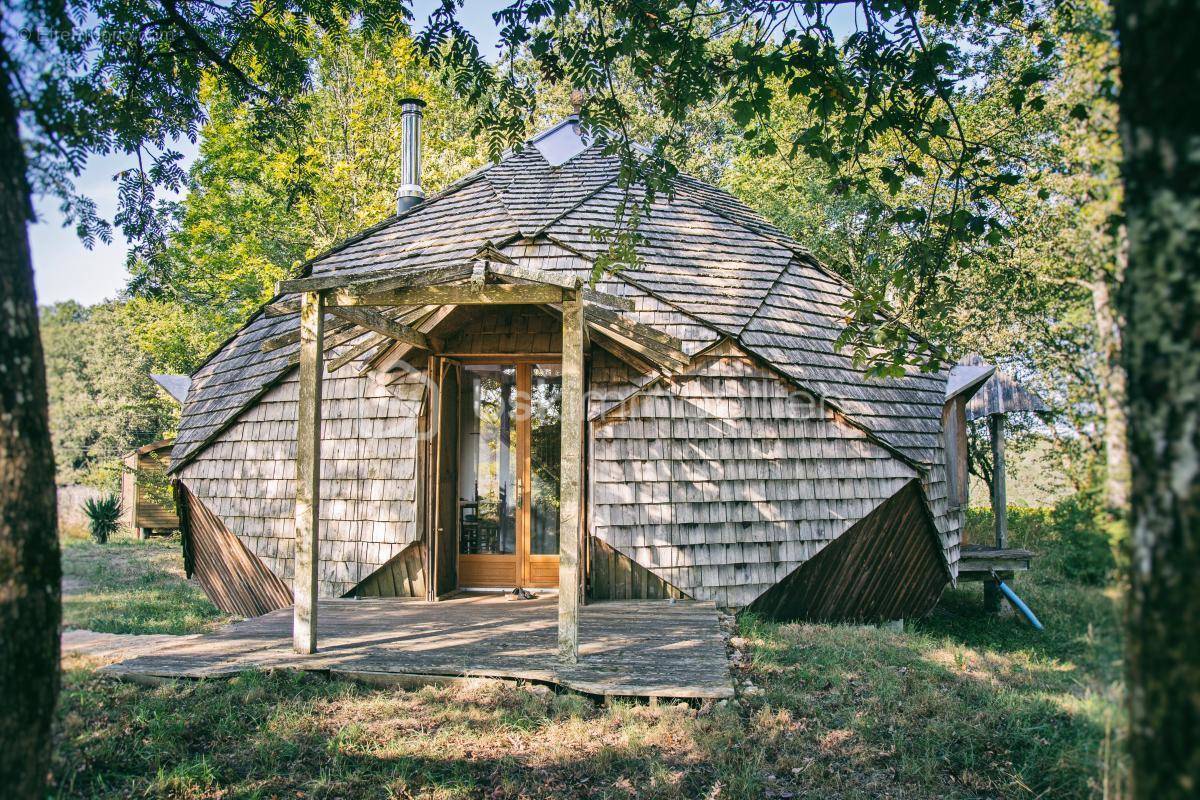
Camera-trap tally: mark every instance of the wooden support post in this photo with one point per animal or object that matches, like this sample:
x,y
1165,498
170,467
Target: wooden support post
x,y
308,474
991,591
571,472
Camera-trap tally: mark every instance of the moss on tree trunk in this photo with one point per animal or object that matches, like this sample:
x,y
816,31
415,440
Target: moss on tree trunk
x,y
30,572
1160,300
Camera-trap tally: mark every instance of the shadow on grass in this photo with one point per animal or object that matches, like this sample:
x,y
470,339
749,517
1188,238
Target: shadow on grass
x,y
296,735
845,712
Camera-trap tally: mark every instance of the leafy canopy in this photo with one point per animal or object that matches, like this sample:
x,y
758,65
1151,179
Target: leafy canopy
x,y
127,76
256,209
867,76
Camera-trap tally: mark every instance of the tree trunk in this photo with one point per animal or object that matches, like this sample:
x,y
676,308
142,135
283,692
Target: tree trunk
x,y
30,573
1160,302
1112,386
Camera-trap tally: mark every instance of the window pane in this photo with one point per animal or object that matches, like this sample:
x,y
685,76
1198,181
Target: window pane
x,y
545,408
488,459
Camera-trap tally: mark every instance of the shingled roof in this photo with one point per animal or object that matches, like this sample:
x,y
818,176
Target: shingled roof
x,y
705,256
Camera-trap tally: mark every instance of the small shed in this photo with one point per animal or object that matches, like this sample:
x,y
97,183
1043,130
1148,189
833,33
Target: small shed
x,y
1000,396
145,489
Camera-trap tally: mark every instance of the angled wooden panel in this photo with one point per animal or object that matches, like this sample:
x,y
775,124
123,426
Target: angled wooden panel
x,y
403,576
615,577
230,575
889,565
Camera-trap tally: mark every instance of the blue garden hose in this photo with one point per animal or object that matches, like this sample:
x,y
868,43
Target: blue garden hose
x,y
1016,601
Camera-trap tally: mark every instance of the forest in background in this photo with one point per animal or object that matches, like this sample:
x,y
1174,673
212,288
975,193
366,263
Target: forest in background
x,y
1038,302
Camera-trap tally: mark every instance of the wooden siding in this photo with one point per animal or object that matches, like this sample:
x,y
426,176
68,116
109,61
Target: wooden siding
x,y
724,479
614,576
233,578
948,519
1000,394
613,380
403,576
887,566
368,476
705,255
508,329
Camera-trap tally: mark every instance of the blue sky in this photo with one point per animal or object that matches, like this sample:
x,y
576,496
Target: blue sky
x,y
65,270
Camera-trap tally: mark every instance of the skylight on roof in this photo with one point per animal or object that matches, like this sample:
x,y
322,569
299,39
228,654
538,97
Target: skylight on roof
x,y
562,142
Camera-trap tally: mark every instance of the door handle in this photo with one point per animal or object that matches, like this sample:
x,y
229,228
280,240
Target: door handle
x,y
520,493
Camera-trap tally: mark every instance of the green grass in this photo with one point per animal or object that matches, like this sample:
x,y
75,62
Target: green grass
x,y
958,705
132,586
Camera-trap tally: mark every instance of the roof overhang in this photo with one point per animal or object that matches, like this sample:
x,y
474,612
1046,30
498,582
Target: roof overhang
x,y
416,301
1001,394
965,380
175,385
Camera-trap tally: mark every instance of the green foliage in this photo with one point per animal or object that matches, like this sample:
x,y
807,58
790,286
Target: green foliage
x,y
911,114
256,209
102,401
1083,550
110,76
104,516
1074,540
155,486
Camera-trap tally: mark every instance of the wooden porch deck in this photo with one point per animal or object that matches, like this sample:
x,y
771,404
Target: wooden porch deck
x,y
652,649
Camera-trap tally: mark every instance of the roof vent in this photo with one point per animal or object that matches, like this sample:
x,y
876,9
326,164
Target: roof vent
x,y
410,192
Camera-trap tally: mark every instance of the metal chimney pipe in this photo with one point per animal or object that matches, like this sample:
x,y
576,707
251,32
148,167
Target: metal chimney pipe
x,y
410,192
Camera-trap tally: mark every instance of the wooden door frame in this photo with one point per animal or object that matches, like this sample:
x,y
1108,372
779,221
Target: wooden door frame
x,y
523,364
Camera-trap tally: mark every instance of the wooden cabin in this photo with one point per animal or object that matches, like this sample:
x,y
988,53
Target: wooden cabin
x,y
716,445
146,509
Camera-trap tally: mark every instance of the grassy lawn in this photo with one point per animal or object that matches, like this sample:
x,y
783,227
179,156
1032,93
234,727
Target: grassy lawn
x,y
132,586
957,705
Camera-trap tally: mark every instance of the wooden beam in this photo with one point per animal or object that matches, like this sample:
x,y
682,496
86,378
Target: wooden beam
x,y
374,321
606,300
562,280
991,590
291,337
277,342
999,489
668,360
356,351
373,284
489,253
308,475
571,480
459,295
510,270
284,308
332,280
424,319
636,329
627,355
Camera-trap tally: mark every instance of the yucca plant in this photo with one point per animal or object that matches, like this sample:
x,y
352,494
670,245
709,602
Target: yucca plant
x,y
104,516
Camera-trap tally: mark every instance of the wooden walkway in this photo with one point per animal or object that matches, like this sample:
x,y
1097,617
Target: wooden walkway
x,y
654,649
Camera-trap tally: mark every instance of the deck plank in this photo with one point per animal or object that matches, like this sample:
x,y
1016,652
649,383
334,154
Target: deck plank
x,y
627,649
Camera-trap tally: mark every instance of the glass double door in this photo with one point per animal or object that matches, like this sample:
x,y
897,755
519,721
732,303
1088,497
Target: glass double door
x,y
509,475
